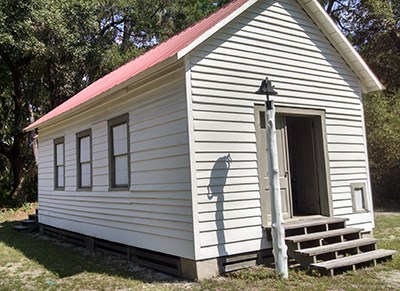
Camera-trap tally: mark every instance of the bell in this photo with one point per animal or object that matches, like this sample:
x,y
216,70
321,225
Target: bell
x,y
266,88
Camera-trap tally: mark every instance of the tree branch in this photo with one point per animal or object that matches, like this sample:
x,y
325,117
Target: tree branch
x,y
113,23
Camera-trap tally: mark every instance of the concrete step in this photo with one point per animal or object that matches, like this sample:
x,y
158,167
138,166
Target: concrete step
x,y
33,217
30,224
324,234
351,262
27,222
21,228
336,247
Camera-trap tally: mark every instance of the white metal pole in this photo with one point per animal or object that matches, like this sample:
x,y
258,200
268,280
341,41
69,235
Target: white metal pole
x,y
277,228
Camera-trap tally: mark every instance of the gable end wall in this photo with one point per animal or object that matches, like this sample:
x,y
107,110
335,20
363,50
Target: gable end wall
x,y
279,40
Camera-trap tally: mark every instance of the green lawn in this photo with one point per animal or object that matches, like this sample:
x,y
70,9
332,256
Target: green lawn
x,y
35,263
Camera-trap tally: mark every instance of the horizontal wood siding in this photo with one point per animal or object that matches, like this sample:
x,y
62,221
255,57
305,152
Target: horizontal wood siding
x,y
275,39
156,212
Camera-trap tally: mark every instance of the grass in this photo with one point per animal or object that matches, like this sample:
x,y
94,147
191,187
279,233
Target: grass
x,y
38,263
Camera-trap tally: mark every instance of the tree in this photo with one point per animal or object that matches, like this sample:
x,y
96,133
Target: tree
x,y
382,114
40,56
51,49
376,35
373,27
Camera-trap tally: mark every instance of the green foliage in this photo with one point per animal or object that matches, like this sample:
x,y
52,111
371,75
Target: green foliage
x,y
382,114
376,34
373,27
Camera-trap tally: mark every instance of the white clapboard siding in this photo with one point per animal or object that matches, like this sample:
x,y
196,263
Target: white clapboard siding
x,y
279,40
361,219
46,165
229,196
124,235
347,211
212,216
157,207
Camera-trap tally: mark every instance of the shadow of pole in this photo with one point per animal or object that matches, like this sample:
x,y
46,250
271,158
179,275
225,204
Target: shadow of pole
x,y
219,175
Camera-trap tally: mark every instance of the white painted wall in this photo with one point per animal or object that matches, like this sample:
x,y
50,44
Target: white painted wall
x,y
156,213
275,39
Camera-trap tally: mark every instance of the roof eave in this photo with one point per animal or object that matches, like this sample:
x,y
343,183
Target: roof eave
x,y
124,86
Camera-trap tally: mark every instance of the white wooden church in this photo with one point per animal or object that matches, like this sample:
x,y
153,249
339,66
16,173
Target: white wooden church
x,y
166,155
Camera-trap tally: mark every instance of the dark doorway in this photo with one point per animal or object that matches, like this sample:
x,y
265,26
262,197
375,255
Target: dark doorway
x,y
303,143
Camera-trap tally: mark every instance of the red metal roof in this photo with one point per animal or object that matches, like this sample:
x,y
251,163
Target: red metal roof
x,y
149,59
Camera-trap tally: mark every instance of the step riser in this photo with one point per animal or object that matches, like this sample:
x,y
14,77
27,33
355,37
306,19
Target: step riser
x,y
33,217
32,225
352,267
19,228
364,245
313,229
322,241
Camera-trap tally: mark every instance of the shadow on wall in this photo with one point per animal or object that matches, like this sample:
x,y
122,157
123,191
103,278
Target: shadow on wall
x,y
219,174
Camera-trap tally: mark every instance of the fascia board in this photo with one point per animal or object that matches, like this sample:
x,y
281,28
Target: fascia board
x,y
182,53
124,86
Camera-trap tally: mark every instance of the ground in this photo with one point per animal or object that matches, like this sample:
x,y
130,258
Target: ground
x,y
33,262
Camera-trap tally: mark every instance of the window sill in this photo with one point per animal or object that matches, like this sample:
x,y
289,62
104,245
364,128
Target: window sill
x,y
118,189
84,189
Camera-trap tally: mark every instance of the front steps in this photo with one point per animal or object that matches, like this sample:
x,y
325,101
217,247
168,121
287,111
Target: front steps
x,y
28,225
327,246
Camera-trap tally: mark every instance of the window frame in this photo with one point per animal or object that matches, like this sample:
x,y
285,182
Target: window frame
x,y
79,136
58,141
117,121
354,187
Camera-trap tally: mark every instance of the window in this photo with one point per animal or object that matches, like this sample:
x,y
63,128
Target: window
x,y
359,197
119,152
84,160
59,166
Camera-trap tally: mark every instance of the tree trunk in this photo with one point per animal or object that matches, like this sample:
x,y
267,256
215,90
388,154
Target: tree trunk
x,y
33,137
17,170
16,158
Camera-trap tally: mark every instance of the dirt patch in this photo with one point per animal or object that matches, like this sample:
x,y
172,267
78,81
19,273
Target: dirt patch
x,y
391,278
11,267
8,214
387,213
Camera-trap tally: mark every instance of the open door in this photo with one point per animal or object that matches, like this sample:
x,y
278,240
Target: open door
x,y
302,163
284,171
